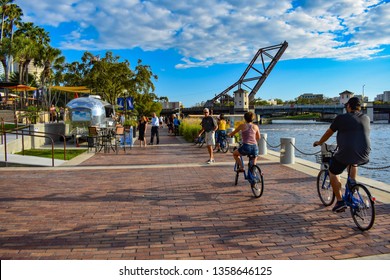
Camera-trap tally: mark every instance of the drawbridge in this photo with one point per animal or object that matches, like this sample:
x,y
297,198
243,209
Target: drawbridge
x,y
268,56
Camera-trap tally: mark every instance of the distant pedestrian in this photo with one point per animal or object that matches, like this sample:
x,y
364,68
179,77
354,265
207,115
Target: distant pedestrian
x,y
209,126
155,126
142,125
161,120
221,132
53,113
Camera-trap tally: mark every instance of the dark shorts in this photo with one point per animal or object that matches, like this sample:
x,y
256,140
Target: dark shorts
x,y
248,149
337,167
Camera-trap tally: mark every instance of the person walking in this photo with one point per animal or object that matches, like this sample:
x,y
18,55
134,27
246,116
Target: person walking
x,y
250,136
209,126
142,126
353,140
155,126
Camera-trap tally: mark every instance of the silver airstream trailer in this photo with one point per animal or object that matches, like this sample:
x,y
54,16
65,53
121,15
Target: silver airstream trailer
x,y
88,111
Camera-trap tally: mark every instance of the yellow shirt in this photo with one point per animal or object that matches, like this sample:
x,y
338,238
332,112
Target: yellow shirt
x,y
222,125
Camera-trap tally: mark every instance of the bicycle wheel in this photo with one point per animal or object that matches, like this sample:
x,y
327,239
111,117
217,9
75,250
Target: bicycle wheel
x,y
324,189
224,145
362,207
257,182
237,175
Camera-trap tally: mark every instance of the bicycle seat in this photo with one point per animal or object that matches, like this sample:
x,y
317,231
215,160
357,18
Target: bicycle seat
x,y
251,156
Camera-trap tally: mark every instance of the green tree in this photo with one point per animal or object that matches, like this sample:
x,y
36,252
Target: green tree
x,y
30,39
3,10
50,59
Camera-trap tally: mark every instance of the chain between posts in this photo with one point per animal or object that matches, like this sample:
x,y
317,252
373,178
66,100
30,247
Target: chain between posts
x,y
365,167
271,145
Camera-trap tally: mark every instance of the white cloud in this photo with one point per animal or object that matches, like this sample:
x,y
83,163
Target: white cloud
x,y
214,31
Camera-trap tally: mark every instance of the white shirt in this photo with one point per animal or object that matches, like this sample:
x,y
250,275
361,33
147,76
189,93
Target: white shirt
x,y
155,122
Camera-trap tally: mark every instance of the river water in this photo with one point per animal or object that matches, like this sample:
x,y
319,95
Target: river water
x,y
306,132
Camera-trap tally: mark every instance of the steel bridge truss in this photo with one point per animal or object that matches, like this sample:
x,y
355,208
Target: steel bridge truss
x,y
263,54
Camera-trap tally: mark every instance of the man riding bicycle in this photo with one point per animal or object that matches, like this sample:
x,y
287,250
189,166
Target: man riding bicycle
x,y
353,140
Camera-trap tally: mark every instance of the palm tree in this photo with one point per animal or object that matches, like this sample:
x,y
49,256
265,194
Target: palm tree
x,y
50,58
14,19
24,51
3,6
30,39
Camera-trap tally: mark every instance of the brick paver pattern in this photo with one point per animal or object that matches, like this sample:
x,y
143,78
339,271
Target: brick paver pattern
x,y
165,202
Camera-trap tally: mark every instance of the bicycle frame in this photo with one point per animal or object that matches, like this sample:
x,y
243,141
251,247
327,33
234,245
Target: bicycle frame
x,y
247,173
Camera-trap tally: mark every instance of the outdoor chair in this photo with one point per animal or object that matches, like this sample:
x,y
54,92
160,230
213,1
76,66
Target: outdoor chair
x,y
120,138
93,139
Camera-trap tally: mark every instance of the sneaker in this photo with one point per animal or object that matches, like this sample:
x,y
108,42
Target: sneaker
x,y
340,206
210,161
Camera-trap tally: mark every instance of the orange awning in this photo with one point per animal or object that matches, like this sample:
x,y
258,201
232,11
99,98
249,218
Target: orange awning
x,y
21,88
79,89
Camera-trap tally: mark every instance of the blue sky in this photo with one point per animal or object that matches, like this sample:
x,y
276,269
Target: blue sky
x,y
200,47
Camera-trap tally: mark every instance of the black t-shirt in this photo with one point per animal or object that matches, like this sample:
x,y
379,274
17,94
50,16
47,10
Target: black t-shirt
x,y
353,137
208,123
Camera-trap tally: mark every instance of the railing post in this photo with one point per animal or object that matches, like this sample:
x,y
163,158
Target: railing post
x,y
263,144
287,152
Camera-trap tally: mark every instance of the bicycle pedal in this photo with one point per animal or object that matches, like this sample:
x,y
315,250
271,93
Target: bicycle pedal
x,y
341,210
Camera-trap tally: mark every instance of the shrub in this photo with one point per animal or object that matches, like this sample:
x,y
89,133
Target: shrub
x,y
190,128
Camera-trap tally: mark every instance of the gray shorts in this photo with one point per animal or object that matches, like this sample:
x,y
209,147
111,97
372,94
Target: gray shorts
x,y
210,138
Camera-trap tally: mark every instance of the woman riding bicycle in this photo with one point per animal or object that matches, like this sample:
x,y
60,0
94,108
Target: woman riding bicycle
x,y
221,132
250,136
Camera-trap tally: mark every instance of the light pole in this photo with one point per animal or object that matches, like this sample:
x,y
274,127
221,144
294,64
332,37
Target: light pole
x,y
363,92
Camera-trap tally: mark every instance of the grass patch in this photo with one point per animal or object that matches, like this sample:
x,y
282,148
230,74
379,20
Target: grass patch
x,y
58,153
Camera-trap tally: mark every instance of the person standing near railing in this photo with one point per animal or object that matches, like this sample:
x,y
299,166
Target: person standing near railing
x,y
353,140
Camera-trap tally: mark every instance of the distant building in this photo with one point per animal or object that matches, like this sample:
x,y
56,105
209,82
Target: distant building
x,y
385,97
171,105
345,96
33,70
364,99
272,102
310,96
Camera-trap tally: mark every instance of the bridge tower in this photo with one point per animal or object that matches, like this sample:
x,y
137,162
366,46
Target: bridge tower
x,y
260,75
241,101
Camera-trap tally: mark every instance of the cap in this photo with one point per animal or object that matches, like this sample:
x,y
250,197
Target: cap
x,y
353,102
205,110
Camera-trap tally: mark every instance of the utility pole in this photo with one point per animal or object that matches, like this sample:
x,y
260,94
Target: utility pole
x,y
363,92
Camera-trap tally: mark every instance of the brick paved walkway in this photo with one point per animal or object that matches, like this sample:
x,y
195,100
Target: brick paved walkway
x,y
164,202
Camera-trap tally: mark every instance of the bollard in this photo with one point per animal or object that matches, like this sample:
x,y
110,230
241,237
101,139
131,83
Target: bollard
x,y
263,144
287,154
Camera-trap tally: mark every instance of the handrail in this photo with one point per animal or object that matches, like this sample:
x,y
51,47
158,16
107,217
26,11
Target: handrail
x,y
30,131
54,134
43,136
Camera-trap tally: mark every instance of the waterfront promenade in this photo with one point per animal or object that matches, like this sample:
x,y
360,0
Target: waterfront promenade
x,y
165,202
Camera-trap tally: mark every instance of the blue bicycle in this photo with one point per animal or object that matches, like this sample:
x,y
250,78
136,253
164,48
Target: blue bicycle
x,y
221,139
253,175
357,197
